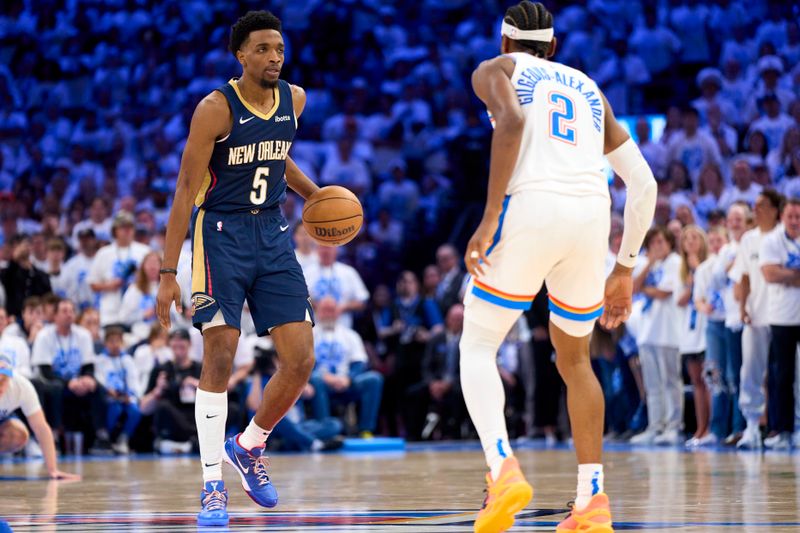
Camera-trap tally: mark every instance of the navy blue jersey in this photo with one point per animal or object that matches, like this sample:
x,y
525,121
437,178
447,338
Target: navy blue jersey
x,y
247,168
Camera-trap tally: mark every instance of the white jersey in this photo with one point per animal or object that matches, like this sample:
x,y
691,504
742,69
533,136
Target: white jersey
x,y
563,137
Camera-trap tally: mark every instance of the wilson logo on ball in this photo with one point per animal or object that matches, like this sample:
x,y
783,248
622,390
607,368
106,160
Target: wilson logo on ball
x,y
333,232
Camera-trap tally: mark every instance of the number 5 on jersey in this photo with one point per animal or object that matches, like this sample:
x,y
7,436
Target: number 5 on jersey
x,y
562,114
259,193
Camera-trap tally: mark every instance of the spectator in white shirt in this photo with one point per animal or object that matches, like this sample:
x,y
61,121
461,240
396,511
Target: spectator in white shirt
x,y
138,310
149,355
115,371
341,372
773,122
726,137
779,258
341,282
709,80
692,347
744,190
346,169
14,349
727,421
658,339
63,353
56,252
708,300
98,221
691,146
657,45
751,292
305,248
654,153
16,392
75,273
114,267
399,195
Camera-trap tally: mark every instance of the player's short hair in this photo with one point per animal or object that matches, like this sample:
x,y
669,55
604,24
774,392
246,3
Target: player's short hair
x,y
250,22
530,16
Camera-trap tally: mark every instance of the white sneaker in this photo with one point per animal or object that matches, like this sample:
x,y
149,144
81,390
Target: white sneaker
x,y
781,441
121,446
167,447
709,439
646,437
751,440
32,449
669,437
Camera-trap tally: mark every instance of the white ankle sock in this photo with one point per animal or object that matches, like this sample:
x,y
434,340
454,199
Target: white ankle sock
x,y
253,436
590,482
210,414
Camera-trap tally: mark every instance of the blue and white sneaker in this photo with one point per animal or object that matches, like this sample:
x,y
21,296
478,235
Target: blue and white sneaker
x,y
214,502
252,467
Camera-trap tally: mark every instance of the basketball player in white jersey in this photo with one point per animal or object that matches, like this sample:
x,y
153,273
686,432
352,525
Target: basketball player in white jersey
x,y
547,218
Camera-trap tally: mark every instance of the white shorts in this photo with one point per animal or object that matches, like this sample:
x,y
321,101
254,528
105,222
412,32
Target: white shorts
x,y
559,239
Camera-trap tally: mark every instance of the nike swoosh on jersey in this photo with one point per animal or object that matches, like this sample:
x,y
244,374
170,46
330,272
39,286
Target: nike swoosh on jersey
x,y
242,120
284,228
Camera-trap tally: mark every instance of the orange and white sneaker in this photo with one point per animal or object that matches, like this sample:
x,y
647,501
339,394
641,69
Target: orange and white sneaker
x,y
594,518
505,497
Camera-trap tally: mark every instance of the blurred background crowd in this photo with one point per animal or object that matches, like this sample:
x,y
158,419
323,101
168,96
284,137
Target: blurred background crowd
x,y
96,101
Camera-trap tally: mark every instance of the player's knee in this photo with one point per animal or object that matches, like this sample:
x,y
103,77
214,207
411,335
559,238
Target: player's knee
x,y
300,364
13,437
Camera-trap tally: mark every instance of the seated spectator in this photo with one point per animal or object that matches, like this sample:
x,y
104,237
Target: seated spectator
x,y
691,146
338,281
346,169
439,392
14,349
99,222
21,278
386,231
32,320
64,356
154,352
341,373
89,319
16,392
56,252
170,397
115,371
138,310
294,431
399,194
448,291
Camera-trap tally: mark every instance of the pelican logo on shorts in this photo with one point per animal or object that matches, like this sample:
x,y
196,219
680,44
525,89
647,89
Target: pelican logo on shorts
x,y
219,225
282,118
201,301
334,232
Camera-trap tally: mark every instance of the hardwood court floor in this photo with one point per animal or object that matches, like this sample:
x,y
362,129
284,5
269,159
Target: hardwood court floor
x,y
424,489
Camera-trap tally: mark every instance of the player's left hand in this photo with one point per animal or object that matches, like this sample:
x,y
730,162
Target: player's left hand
x,y
476,248
168,291
64,476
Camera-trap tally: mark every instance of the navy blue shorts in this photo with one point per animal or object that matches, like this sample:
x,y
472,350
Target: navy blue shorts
x,y
246,256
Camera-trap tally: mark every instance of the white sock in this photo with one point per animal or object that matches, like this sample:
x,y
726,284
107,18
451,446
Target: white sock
x,y
253,436
485,327
590,482
210,415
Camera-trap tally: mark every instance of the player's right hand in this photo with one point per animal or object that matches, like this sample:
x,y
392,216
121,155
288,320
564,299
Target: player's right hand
x,y
618,299
168,291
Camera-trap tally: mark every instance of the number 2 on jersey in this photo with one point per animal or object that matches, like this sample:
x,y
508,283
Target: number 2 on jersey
x,y
259,193
562,113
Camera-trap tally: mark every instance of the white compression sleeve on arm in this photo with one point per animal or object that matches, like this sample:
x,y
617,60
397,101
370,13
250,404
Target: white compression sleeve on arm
x,y
640,204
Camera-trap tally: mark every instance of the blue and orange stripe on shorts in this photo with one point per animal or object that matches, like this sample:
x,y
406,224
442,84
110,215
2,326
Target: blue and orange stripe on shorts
x,y
503,299
581,314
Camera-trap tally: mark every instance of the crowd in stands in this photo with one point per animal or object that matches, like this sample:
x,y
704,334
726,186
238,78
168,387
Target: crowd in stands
x,y
96,101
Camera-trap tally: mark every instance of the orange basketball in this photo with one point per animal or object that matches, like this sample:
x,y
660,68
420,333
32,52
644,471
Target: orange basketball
x,y
332,216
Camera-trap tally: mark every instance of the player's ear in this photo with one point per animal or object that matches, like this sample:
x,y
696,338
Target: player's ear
x,y
240,56
553,46
505,45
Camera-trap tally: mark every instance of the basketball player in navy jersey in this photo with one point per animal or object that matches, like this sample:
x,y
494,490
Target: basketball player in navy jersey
x,y
235,170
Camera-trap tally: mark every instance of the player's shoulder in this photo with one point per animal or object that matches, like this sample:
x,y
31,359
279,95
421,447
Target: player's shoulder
x,y
505,62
